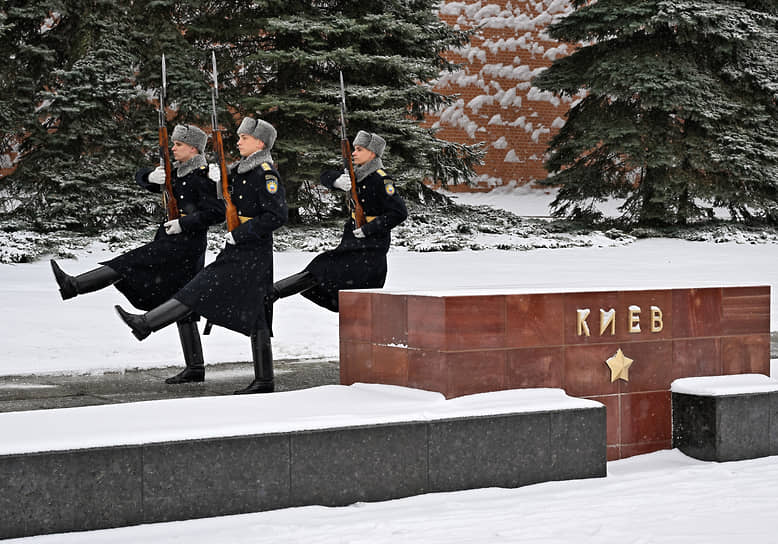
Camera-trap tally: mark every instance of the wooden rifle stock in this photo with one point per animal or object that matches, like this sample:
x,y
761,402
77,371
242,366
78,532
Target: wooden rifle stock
x,y
168,199
348,162
348,165
231,212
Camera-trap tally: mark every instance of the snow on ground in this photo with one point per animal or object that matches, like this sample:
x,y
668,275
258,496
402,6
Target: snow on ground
x,y
44,334
660,497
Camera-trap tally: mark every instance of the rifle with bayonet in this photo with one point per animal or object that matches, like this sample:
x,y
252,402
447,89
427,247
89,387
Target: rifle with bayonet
x,y
348,163
222,192
168,199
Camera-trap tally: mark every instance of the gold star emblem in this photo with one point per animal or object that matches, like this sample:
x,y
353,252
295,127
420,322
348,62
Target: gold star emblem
x,y
619,365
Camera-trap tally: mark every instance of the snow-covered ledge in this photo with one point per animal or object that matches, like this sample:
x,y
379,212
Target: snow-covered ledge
x,y
115,465
726,418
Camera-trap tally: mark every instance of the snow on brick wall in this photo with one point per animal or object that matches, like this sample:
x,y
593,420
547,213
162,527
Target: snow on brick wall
x,y
497,103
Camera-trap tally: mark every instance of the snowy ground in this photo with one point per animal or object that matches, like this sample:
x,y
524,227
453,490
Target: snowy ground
x,y
661,497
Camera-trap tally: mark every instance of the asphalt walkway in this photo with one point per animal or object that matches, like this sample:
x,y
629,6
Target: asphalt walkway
x,y
39,392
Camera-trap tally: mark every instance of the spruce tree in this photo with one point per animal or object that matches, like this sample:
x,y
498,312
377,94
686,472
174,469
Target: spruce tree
x,y
81,88
281,60
679,113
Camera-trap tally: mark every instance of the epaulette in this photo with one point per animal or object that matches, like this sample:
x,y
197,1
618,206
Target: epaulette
x,y
266,167
381,172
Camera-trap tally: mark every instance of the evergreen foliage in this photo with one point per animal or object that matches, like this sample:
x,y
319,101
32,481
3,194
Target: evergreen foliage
x,y
79,79
679,113
283,59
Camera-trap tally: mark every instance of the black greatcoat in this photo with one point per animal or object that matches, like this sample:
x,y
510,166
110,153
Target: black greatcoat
x,y
232,291
154,272
358,263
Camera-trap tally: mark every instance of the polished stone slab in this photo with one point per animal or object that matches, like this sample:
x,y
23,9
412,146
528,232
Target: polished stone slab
x,y
726,418
77,469
463,342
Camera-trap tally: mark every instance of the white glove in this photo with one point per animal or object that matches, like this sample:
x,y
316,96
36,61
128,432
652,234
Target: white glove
x,y
157,176
228,239
359,233
173,227
214,173
343,182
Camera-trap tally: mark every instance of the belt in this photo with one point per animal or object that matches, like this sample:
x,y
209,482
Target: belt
x,y
368,218
243,219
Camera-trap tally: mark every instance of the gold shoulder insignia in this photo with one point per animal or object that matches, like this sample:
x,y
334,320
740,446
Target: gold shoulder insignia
x,y
381,172
266,167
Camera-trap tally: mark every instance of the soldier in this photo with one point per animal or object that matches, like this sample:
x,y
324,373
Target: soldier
x,y
359,261
234,290
152,273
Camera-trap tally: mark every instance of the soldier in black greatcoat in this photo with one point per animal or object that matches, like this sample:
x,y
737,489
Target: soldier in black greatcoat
x,y
234,291
152,273
359,261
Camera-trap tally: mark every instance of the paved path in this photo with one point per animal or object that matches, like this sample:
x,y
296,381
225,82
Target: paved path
x,y
65,391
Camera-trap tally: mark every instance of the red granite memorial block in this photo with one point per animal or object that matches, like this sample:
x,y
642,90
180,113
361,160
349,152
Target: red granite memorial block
x,y
528,366
534,320
696,357
622,348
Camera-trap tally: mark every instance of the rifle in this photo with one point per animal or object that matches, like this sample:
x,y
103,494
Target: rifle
x,y
168,199
348,164
222,192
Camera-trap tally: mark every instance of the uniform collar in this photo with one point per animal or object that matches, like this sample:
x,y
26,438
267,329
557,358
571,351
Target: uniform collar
x,y
364,170
254,160
187,167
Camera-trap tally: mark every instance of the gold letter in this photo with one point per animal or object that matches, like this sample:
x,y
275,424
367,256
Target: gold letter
x,y
633,319
607,318
583,328
656,319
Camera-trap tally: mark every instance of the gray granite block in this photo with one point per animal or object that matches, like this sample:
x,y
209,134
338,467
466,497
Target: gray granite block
x,y
215,477
336,467
725,427
743,428
69,491
578,444
694,425
97,488
517,449
505,451
773,440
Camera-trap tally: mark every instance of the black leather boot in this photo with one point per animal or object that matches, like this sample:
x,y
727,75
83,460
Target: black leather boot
x,y
163,315
262,353
94,280
193,354
291,285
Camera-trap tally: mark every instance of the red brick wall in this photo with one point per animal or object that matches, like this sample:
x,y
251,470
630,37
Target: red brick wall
x,y
497,103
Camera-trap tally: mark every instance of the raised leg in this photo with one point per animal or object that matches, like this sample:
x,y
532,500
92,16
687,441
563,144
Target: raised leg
x,y
291,285
93,280
163,315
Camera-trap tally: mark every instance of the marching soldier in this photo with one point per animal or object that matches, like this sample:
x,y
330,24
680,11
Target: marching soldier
x,y
234,290
152,273
359,261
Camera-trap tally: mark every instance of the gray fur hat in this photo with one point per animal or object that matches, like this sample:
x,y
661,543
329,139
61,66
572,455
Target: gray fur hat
x,y
261,130
370,141
191,135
